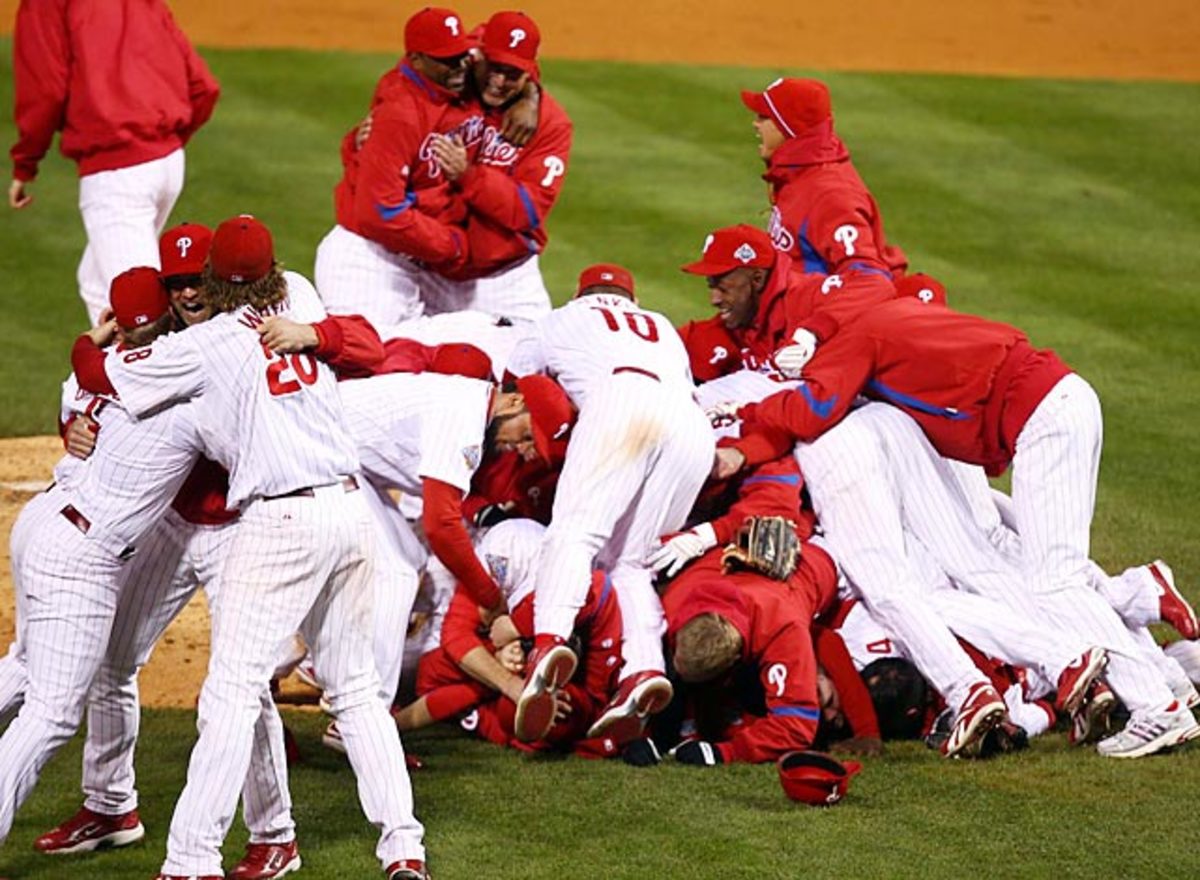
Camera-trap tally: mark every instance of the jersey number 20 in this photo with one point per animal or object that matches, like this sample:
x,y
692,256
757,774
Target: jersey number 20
x,y
287,372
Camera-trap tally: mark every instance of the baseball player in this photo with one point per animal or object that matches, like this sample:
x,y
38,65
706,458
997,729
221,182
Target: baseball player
x,y
983,394
71,543
395,212
635,463
185,550
716,620
300,559
126,89
508,189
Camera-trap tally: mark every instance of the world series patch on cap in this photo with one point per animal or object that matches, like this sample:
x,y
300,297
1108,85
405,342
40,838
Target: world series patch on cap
x,y
734,247
816,778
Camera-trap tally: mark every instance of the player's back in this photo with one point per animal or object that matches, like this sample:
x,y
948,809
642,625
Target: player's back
x,y
397,420
589,340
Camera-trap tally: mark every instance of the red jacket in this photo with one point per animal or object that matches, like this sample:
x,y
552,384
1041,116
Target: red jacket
x,y
392,190
117,77
970,383
510,190
774,619
824,217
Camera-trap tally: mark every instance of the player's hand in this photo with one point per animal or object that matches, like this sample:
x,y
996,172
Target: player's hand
x,y
727,462
512,658
285,336
697,753
641,753
521,119
791,359
489,615
562,706
362,132
722,415
80,438
682,549
859,745
18,196
106,331
451,155
503,631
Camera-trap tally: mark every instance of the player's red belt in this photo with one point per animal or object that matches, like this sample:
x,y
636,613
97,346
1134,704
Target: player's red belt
x,y
349,484
81,522
637,370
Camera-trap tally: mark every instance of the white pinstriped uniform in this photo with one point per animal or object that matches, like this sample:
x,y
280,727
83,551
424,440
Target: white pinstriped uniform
x,y
173,560
69,581
636,460
408,427
516,292
124,210
298,563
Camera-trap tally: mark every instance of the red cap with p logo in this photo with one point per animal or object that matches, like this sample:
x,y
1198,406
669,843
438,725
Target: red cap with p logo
x,y
512,38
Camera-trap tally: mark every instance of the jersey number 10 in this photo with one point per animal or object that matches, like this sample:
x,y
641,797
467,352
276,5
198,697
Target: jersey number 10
x,y
639,323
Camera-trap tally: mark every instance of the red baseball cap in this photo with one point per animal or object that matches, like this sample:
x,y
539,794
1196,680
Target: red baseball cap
x,y
815,778
461,359
551,414
512,38
183,249
734,247
794,104
138,297
242,250
437,32
606,275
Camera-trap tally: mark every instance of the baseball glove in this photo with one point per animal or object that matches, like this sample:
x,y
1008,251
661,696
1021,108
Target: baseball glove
x,y
766,544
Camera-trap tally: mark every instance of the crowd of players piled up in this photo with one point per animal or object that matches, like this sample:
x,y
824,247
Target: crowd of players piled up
x,y
584,529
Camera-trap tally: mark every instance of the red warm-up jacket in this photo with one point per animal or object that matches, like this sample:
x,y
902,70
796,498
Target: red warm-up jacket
x,y
118,78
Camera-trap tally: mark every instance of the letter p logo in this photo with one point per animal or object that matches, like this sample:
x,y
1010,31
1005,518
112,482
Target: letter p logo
x,y
184,243
515,36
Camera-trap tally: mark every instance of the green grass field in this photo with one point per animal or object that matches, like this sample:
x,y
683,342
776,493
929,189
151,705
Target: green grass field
x,y
1069,208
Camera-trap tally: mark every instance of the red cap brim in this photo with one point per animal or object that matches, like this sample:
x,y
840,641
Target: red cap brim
x,y
756,103
700,267
511,59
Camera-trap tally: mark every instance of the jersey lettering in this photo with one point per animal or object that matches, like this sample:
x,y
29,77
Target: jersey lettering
x,y
136,355
846,236
719,353
830,283
882,646
288,372
554,169
639,323
777,676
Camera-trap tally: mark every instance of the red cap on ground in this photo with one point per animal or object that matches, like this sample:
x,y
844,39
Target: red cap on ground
x,y
606,275
815,778
794,104
437,32
138,297
183,249
461,359
512,38
242,250
551,414
734,247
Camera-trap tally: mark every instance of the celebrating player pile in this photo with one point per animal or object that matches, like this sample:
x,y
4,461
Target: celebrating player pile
x,y
576,529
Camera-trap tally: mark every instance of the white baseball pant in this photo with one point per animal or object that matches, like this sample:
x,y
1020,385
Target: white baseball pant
x,y
295,564
356,276
123,212
516,292
635,464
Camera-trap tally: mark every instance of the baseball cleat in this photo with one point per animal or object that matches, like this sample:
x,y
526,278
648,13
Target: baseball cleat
x,y
87,831
266,860
982,710
1091,721
408,869
638,697
1172,607
549,669
1150,732
1077,677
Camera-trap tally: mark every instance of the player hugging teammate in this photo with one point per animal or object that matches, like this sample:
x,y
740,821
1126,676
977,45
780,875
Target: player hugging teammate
x,y
575,529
